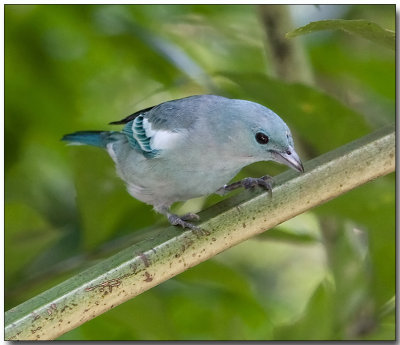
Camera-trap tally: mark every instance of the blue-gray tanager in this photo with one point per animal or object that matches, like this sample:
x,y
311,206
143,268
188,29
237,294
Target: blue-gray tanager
x,y
191,147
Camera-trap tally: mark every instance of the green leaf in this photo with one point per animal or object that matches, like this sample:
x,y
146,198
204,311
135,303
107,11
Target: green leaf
x,y
347,248
377,217
317,320
369,77
385,329
275,270
217,294
105,206
364,28
27,235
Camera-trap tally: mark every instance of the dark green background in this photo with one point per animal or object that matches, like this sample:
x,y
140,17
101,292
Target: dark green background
x,y
326,274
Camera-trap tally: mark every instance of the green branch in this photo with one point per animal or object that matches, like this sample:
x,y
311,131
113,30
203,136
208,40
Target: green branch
x,y
172,251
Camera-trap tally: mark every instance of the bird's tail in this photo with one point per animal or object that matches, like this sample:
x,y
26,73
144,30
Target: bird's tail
x,y
93,138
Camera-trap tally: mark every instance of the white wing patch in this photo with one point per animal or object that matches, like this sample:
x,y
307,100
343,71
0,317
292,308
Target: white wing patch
x,y
147,128
160,139
164,139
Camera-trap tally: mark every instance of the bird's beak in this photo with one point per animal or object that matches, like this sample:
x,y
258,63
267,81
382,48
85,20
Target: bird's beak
x,y
289,158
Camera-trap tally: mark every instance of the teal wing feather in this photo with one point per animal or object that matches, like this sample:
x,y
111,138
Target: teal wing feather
x,y
172,116
138,138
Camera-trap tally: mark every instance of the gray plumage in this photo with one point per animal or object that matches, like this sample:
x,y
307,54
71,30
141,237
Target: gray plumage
x,y
191,147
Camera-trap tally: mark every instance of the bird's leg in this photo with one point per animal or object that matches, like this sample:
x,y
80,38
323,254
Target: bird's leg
x,y
248,183
179,221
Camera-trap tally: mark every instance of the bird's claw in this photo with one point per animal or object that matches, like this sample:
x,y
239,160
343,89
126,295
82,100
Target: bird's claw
x,y
264,182
180,221
248,183
192,217
222,191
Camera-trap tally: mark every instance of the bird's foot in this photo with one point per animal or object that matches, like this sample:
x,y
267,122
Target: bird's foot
x,y
182,221
264,182
191,217
249,183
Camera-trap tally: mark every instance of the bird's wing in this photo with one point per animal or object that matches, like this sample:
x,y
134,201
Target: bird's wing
x,y
132,116
160,127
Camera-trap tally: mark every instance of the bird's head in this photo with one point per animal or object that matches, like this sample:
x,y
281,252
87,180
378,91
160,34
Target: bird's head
x,y
267,135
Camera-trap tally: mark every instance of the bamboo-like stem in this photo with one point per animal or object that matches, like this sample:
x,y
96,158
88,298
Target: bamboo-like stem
x,y
286,57
172,251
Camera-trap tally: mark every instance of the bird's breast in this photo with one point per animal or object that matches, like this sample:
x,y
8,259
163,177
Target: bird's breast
x,y
175,175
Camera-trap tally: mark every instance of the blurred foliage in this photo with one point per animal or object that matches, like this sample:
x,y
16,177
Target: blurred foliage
x,y
364,28
327,274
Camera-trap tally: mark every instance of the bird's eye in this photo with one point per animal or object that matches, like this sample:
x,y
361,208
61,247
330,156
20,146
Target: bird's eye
x,y
262,138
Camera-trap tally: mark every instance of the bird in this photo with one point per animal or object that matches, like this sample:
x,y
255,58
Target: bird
x,y
191,147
